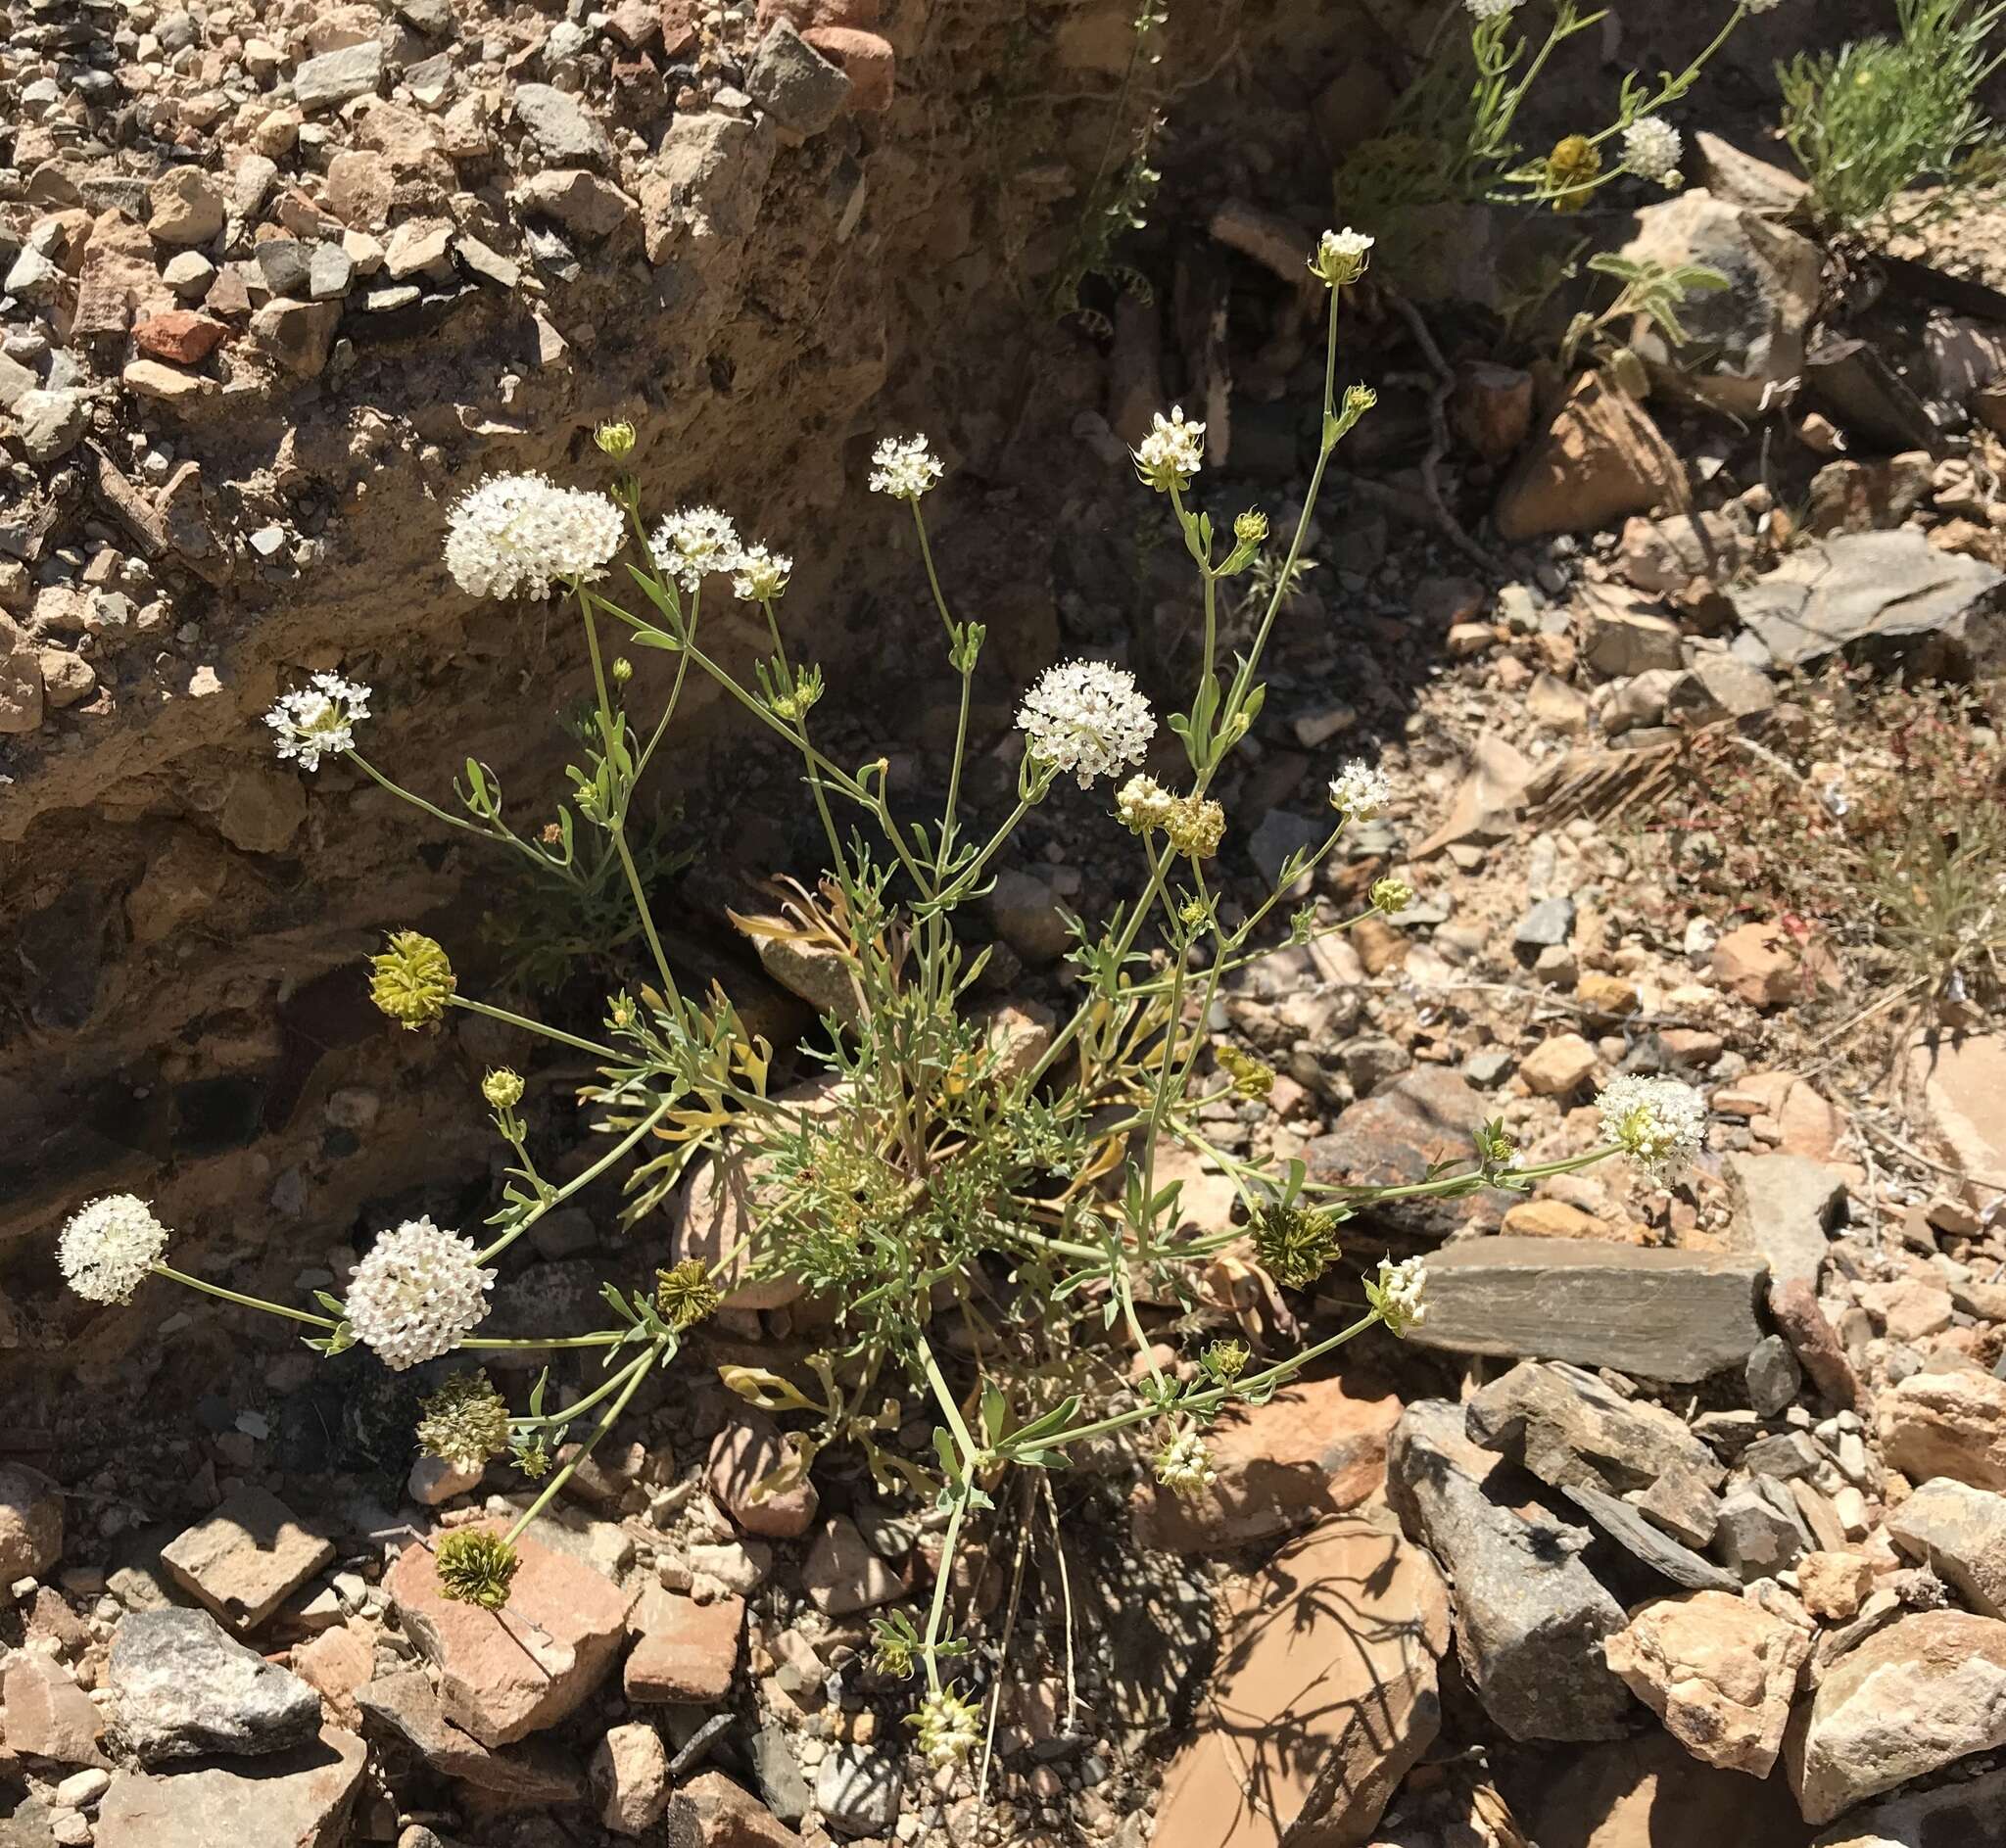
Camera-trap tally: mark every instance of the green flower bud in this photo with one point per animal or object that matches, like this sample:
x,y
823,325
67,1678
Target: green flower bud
x,y
685,1295
623,670
476,1567
1224,1361
502,1088
615,440
1250,527
1295,1245
412,979
1391,896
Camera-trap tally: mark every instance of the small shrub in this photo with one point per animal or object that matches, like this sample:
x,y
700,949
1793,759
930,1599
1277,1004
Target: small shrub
x,y
1881,116
1012,1190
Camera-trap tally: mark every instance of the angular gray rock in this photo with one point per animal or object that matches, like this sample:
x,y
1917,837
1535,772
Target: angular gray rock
x,y
182,1688
1952,1816
1760,1532
1922,1693
1960,1532
802,91
1785,1208
566,132
1772,1376
299,1799
860,1791
1530,1618
1886,591
1423,1116
337,77
1568,1427
1664,1555
1664,1315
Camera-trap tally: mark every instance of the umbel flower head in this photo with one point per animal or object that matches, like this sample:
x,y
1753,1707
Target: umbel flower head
x,y
1391,896
684,1295
1341,257
693,542
417,1294
318,720
1659,1122
1195,826
1651,150
1295,1243
1144,804
1482,10
1223,1361
1172,453
948,1728
106,1248
464,1422
412,979
475,1566
1358,791
1183,1466
1571,171
1398,1294
904,468
1086,717
518,534
762,575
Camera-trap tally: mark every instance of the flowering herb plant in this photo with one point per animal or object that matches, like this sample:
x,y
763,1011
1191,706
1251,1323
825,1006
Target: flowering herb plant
x,y
972,1206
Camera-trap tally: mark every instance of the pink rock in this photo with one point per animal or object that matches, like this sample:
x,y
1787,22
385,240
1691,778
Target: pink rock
x,y
807,13
630,1778
1314,1449
48,1716
301,1797
746,1451
867,60
335,1664
691,1653
181,335
713,1811
509,1673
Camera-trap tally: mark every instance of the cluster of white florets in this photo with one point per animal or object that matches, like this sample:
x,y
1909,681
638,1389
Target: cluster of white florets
x,y
106,1249
417,1294
518,534
1087,718
318,720
1341,257
1398,1293
1358,791
694,541
904,468
1652,147
1171,454
1659,1122
948,1728
1184,1465
762,574
1482,10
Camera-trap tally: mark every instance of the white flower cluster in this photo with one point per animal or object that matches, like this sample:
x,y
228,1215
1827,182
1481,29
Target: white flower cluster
x,y
1360,792
106,1249
1651,150
417,1293
1184,1465
1143,803
319,719
903,467
1172,453
693,542
949,1726
762,574
1762,6
1399,1294
1659,1122
1341,257
1086,717
518,534
1482,10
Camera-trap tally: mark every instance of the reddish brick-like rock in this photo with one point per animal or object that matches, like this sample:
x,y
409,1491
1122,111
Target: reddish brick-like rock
x,y
689,1654
867,60
509,1673
807,13
181,335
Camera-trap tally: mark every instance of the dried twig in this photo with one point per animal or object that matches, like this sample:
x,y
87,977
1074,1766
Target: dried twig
x,y
1438,438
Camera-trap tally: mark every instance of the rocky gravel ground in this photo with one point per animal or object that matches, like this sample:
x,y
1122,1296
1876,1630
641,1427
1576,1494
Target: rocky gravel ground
x,y
1683,1518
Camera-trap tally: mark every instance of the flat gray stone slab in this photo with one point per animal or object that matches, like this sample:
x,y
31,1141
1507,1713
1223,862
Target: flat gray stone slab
x,y
1663,1314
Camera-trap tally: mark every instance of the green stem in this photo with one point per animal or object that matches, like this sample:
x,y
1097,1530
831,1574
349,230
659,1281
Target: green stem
x,y
937,1611
243,1301
579,1182
605,1338
536,1026
612,1383
636,1371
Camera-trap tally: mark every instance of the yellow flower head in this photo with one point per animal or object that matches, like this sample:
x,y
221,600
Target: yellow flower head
x,y
412,979
1571,171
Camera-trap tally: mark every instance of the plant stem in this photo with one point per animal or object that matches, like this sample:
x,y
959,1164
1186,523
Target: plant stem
x,y
243,1301
634,1372
528,1025
578,1182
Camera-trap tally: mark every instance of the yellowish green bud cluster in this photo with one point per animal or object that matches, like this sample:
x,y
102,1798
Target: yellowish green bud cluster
x,y
1571,172
412,980
1251,1076
502,1088
948,1728
1251,528
685,1294
1391,896
1295,1245
615,440
1184,1467
464,1422
475,1566
1195,827
1223,1361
